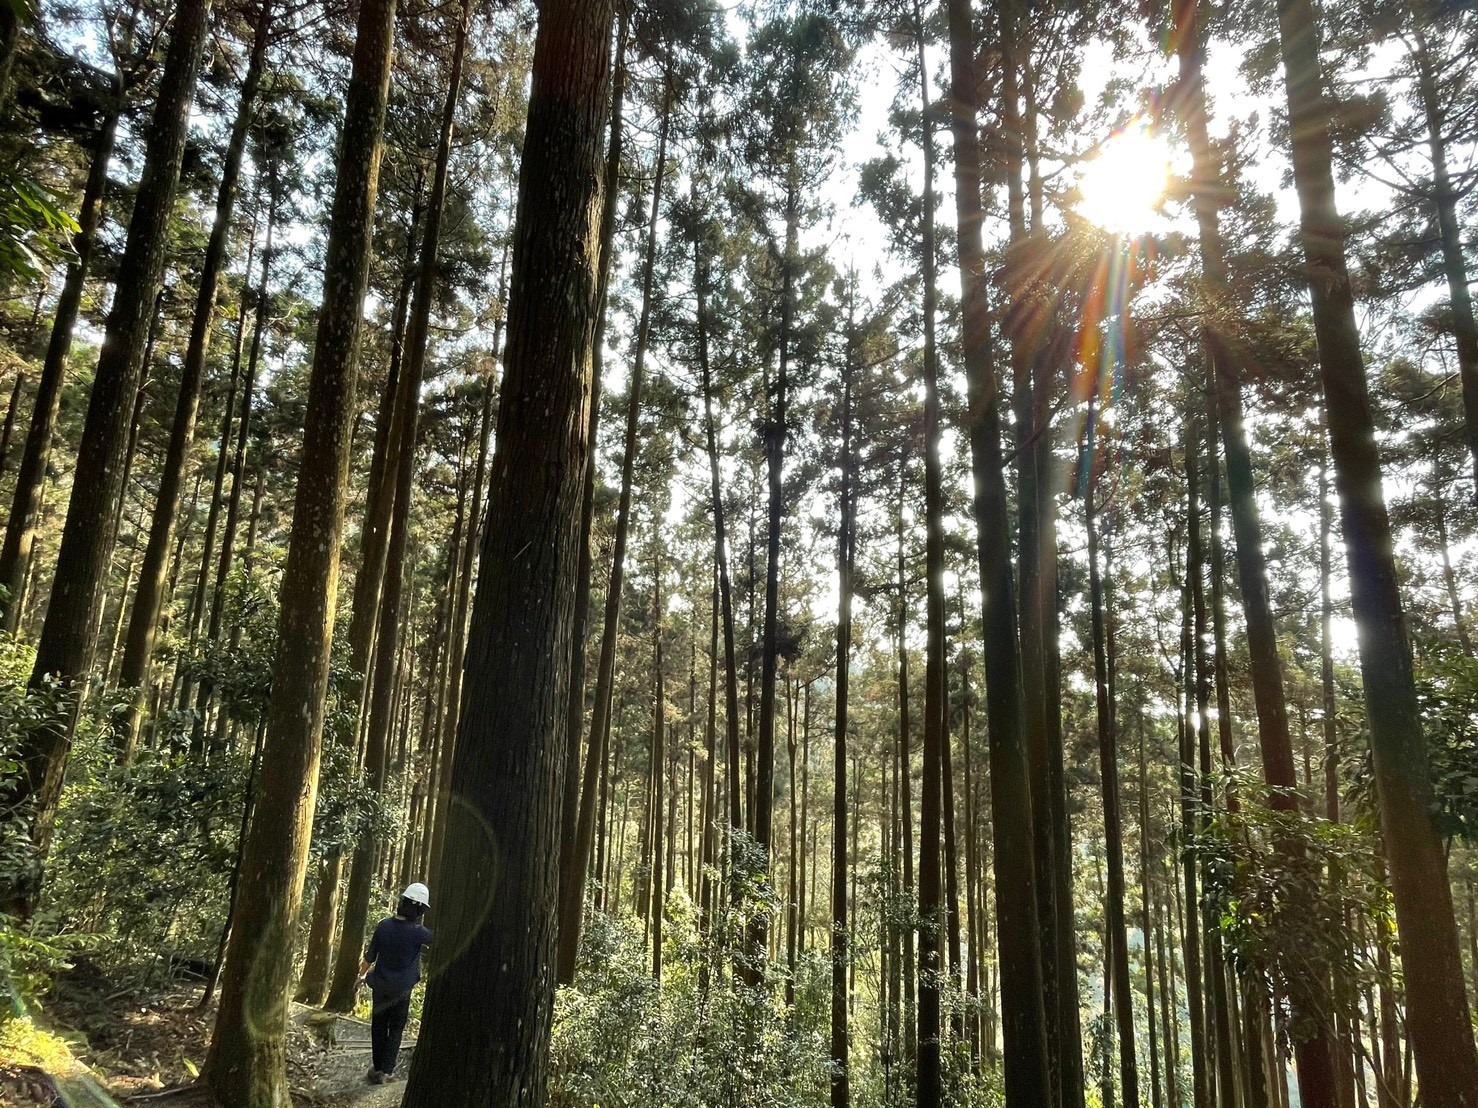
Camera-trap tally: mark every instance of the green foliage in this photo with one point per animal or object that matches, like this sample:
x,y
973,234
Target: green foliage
x,y
703,1037
1447,691
144,853
22,712
1290,893
33,229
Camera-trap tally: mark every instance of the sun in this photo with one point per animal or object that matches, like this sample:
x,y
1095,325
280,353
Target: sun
x,y
1122,185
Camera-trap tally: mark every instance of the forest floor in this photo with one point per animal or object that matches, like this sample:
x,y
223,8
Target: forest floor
x,y
101,1044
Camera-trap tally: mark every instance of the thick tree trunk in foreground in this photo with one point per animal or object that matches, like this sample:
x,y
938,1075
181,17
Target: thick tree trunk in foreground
x,y
65,650
573,890
581,786
1437,1005
25,508
143,623
1023,1021
246,1064
485,1034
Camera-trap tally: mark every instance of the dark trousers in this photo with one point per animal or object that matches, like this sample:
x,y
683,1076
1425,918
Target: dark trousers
x,y
387,1025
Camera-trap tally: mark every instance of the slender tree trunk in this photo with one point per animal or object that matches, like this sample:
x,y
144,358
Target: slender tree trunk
x,y
1445,198
774,434
401,463
1449,578
905,787
660,828
931,971
1023,1017
246,1064
1190,932
144,622
1146,923
223,448
1437,1007
1108,753
10,413
25,509
841,1050
65,650
485,1032
701,283
238,469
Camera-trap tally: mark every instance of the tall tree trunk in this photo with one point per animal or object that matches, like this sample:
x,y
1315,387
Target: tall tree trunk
x,y
223,447
1190,793
702,282
1024,1033
238,466
25,508
571,898
774,435
1313,1051
401,463
931,972
905,790
436,792
1037,559
1449,227
1437,1007
485,1032
1108,754
65,650
1146,923
143,623
660,829
840,1035
573,891
245,1065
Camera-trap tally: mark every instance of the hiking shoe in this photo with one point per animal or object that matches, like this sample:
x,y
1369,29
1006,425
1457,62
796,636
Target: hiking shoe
x,y
380,1078
373,1077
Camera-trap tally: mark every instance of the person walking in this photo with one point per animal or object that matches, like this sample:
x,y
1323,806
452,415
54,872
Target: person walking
x,y
391,968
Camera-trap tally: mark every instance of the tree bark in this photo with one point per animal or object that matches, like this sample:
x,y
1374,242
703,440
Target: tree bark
x,y
931,921
25,508
401,464
143,623
572,874
573,892
840,1035
1437,1007
1023,1018
66,647
238,465
485,1034
245,1067
1108,755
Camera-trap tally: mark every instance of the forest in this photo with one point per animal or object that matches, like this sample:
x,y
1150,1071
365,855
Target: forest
x,y
865,553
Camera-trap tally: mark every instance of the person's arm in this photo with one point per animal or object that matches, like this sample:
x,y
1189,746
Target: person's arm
x,y
371,954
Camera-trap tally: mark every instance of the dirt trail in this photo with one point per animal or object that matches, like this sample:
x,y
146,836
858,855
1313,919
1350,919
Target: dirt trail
x,y
339,1077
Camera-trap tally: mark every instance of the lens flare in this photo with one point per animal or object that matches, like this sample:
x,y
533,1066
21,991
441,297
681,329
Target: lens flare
x,y
1122,185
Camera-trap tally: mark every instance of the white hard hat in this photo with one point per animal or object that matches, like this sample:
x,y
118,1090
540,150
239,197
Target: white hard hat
x,y
417,893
